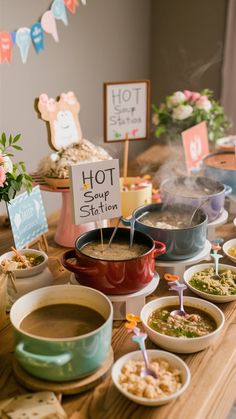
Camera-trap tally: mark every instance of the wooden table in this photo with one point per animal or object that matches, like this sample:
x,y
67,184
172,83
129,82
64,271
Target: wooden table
x,y
212,389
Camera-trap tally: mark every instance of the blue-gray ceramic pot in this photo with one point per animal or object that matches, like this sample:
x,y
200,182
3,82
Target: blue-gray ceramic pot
x,y
221,166
194,191
63,359
181,243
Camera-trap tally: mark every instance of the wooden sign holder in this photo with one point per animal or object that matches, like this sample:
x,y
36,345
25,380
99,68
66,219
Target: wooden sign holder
x,y
41,242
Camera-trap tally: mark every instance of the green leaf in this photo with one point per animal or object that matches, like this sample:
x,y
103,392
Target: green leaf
x,y
10,140
3,139
17,147
16,138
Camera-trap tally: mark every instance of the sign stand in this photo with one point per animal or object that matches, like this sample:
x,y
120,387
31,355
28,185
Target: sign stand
x,y
41,242
126,157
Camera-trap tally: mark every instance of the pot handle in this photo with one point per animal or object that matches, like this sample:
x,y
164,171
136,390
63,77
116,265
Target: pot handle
x,y
160,248
126,221
228,189
42,360
75,268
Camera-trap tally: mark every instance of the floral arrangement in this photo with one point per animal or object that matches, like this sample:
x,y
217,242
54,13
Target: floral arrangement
x,y
12,176
182,110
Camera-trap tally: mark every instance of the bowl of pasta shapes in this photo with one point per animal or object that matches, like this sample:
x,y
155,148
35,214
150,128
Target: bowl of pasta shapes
x,y
199,279
197,330
229,249
173,377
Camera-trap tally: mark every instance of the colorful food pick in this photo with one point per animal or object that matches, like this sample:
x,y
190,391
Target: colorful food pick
x,y
175,285
139,338
215,247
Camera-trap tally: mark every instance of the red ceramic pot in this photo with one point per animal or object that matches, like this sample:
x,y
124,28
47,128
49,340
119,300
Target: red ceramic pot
x,y
113,277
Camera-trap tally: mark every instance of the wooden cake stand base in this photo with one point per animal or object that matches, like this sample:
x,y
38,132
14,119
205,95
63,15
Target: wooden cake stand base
x,y
68,387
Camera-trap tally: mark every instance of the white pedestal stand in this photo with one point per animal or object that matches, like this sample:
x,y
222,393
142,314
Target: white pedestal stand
x,y
129,303
177,267
216,223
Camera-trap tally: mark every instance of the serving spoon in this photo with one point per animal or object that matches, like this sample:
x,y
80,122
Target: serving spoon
x,y
140,338
175,285
215,247
196,209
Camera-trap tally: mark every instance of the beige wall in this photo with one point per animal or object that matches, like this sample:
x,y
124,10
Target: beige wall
x,y
186,45
107,40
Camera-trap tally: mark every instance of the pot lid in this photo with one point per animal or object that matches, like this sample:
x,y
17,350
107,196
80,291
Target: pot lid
x,y
224,160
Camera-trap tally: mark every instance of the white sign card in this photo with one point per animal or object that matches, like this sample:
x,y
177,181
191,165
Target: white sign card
x,y
27,217
95,191
126,110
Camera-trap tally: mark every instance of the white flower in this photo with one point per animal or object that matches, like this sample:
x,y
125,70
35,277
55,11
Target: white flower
x,y
176,98
182,112
7,164
203,103
155,119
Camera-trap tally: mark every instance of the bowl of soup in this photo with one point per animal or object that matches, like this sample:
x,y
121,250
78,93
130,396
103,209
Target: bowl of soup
x,y
178,226
115,269
229,248
182,334
26,263
62,332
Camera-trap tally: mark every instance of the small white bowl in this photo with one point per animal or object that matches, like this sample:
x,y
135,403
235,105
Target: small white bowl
x,y
226,246
35,270
182,345
188,274
173,360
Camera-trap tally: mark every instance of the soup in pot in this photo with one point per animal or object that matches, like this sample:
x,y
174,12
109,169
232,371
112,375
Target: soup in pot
x,y
167,220
196,324
119,250
62,321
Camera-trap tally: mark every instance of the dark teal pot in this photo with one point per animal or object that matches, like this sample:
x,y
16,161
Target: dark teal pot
x,y
62,359
180,244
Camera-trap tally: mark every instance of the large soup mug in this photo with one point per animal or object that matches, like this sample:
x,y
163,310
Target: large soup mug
x,y
113,276
62,359
182,243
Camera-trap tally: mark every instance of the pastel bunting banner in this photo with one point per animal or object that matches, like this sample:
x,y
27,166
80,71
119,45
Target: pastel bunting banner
x,y
58,9
23,41
23,37
5,47
37,36
71,5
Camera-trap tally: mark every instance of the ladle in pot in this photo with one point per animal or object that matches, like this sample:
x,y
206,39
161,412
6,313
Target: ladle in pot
x,y
175,285
196,209
132,221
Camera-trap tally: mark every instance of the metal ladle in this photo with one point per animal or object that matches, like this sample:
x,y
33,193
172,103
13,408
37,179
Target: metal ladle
x,y
196,209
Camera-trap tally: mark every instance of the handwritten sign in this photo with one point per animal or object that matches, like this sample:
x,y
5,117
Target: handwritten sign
x,y
195,142
126,110
95,191
27,217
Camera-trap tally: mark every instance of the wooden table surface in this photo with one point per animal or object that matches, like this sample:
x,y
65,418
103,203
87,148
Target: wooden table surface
x,y
212,389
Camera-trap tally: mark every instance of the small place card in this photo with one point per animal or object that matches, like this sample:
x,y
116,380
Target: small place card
x,y
27,217
95,191
126,110
195,142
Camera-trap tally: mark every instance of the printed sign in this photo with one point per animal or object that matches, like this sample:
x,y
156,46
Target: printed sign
x,y
27,217
126,110
195,142
95,191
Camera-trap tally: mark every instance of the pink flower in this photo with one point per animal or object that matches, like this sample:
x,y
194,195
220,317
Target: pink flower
x,y
191,95
203,103
1,159
2,176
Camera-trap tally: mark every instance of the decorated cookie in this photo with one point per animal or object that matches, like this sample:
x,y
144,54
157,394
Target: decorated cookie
x,y
62,117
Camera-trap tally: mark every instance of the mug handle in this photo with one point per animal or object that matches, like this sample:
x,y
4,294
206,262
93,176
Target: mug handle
x,y
160,248
42,360
228,189
69,254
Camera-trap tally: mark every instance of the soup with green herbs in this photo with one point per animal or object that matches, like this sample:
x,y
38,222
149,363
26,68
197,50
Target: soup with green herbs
x,y
196,324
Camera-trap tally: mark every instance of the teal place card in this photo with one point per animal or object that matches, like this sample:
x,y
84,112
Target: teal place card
x,y
27,217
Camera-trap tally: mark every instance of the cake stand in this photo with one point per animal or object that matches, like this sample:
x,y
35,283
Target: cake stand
x,y
216,223
66,232
177,267
128,303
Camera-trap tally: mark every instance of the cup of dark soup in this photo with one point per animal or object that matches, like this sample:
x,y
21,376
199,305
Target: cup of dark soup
x,y
118,269
62,332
